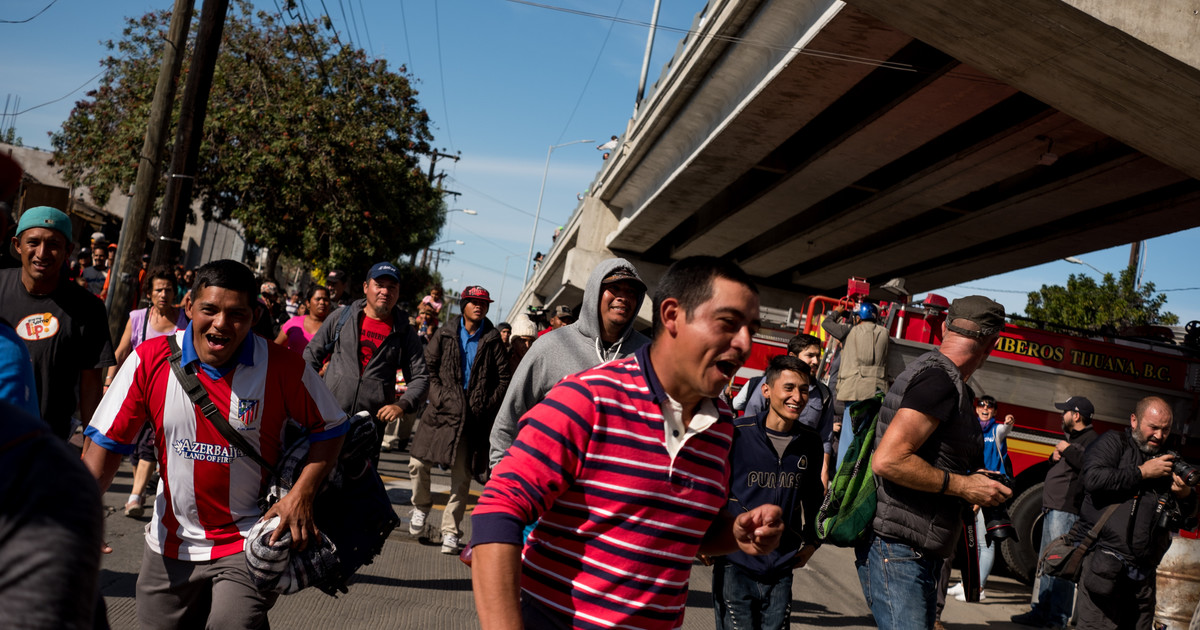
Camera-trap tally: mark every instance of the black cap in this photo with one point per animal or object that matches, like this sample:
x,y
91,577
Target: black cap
x,y
337,275
1077,403
624,273
979,310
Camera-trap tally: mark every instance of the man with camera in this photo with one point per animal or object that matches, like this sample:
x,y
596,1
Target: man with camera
x,y
1130,469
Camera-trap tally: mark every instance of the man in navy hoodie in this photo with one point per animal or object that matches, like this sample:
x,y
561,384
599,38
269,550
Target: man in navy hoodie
x,y
774,460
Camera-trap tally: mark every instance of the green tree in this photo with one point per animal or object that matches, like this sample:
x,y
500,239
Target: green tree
x,y
9,136
311,146
1114,303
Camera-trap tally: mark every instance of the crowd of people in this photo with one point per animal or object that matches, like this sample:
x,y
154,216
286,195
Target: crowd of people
x,y
609,458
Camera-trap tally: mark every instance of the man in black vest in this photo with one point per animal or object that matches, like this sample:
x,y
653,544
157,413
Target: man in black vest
x,y
927,446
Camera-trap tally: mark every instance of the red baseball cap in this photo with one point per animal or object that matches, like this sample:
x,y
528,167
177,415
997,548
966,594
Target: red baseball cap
x,y
475,292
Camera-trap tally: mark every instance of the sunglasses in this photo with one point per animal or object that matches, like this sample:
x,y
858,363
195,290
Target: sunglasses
x,y
987,405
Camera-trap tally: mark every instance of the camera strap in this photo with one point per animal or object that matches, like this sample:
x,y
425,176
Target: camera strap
x,y
970,555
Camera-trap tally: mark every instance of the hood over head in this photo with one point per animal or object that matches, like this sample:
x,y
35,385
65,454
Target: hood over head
x,y
588,318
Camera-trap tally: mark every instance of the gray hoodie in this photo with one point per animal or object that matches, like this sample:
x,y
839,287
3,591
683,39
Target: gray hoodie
x,y
561,353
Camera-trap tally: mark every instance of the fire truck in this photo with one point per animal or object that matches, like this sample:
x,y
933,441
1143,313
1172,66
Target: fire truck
x,y
1029,370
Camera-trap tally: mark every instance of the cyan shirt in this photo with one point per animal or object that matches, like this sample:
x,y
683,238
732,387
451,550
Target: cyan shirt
x,y
470,346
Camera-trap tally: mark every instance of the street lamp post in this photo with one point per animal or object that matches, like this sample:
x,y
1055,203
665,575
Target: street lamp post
x,y
537,216
1079,261
462,210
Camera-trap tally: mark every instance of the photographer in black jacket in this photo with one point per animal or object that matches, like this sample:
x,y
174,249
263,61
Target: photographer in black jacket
x,y
1128,468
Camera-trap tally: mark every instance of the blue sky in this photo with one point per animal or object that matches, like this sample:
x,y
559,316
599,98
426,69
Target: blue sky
x,y
502,81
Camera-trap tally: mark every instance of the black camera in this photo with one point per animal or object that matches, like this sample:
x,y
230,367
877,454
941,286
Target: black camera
x,y
996,520
1187,472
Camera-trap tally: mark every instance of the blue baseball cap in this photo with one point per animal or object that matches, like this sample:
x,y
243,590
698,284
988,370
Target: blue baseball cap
x,y
381,269
45,217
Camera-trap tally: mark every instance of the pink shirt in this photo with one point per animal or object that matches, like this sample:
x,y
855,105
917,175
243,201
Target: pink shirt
x,y
297,337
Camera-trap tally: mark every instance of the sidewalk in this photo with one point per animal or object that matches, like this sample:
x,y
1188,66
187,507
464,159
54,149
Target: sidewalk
x,y
413,586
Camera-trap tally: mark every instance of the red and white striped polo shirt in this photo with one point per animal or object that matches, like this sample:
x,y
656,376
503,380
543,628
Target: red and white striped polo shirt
x,y
208,496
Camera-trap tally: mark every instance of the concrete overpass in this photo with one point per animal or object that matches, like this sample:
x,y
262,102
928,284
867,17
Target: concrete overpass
x,y
937,140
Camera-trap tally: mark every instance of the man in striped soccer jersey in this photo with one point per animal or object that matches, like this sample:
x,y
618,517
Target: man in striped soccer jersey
x,y
627,467
193,567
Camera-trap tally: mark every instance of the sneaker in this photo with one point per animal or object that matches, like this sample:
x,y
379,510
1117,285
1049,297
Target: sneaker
x,y
962,596
450,544
416,522
937,625
134,509
1031,619
956,590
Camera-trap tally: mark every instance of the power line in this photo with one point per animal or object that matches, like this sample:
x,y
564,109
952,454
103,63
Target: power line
x,y
823,54
487,240
1184,289
30,19
407,48
437,27
366,28
342,6
503,203
85,84
354,22
962,286
588,82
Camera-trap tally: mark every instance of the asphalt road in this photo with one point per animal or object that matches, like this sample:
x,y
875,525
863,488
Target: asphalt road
x,y
412,585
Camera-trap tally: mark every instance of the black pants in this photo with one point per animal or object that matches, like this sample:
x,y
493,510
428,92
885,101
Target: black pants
x,y
1110,598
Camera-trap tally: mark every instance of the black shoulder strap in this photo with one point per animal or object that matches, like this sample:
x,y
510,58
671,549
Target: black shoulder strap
x,y
1094,532
195,391
337,332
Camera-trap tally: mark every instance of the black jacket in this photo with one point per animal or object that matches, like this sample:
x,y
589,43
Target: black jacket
x,y
1111,475
759,476
456,413
1064,483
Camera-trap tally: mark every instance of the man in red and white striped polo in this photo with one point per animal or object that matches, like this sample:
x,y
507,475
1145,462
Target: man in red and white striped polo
x,y
193,566
625,468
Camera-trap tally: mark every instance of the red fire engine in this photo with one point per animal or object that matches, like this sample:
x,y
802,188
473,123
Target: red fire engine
x,y
1030,369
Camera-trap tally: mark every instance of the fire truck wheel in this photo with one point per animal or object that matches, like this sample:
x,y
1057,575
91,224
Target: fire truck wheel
x,y
1026,514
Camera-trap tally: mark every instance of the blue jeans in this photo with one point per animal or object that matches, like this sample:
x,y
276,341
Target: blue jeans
x,y
1055,597
742,601
899,583
987,553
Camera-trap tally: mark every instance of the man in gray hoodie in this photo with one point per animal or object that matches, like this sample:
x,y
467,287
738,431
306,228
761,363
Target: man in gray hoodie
x,y
603,332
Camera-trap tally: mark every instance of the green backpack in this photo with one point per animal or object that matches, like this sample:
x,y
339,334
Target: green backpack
x,y
849,506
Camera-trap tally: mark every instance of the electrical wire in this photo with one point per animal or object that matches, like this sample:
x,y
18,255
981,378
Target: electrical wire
x,y
85,84
588,82
342,7
366,29
505,204
437,27
30,19
822,54
354,22
962,286
407,48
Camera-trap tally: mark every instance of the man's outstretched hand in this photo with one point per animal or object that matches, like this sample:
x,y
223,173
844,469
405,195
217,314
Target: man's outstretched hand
x,y
758,531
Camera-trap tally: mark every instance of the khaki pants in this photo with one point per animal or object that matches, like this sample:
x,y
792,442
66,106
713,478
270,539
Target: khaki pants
x,y
214,594
460,489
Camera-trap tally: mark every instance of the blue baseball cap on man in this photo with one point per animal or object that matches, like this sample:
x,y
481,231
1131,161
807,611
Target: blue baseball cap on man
x,y
45,217
383,269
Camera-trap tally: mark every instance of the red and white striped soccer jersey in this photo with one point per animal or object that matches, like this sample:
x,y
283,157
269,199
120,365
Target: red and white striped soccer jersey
x,y
208,494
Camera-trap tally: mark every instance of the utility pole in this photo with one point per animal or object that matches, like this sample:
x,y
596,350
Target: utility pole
x,y
433,162
194,108
137,219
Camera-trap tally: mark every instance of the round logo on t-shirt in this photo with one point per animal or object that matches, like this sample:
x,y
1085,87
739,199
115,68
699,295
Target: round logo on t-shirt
x,y
37,326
